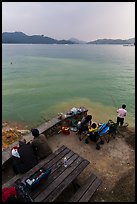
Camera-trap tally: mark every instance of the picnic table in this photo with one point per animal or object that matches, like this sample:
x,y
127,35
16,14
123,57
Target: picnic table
x,y
50,188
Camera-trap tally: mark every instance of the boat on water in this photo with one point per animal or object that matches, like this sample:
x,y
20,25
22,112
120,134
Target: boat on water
x,y
48,129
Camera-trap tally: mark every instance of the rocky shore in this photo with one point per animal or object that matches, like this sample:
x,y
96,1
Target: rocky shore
x,y
11,132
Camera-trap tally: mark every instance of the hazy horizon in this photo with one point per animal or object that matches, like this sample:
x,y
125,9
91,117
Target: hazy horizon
x,y
85,21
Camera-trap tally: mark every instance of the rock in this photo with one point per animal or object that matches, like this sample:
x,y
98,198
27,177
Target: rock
x,y
23,131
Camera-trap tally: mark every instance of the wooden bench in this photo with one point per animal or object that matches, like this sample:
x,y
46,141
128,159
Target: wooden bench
x,y
86,191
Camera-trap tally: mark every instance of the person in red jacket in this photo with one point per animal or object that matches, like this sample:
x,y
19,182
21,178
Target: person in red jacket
x,y
9,194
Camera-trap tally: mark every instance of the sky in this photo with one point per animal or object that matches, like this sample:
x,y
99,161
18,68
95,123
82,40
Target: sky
x,y
85,21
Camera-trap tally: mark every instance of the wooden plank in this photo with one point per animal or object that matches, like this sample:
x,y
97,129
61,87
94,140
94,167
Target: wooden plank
x,y
11,181
76,197
86,191
56,171
58,180
76,170
89,193
42,128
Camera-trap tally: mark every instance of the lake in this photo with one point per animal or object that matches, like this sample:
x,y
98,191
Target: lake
x,y
39,81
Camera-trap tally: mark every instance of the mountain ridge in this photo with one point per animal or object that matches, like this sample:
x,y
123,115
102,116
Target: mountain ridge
x,y
20,37
113,41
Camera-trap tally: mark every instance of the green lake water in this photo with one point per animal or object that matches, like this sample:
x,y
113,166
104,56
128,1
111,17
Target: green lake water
x,y
38,81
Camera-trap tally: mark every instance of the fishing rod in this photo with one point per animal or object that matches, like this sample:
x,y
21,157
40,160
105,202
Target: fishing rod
x,y
114,103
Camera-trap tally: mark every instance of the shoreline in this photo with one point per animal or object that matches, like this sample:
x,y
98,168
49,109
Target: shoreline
x,y
13,130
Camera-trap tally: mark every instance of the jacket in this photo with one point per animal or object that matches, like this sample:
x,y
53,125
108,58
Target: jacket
x,y
27,157
41,146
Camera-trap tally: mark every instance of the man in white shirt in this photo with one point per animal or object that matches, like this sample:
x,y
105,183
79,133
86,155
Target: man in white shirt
x,y
121,115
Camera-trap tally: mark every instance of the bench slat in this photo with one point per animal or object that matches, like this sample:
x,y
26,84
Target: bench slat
x,y
89,193
57,181
53,196
86,191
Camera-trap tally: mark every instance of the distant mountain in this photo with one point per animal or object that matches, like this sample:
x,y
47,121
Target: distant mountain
x,y
77,41
19,37
113,41
131,40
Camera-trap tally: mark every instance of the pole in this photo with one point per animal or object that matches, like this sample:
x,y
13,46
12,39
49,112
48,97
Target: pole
x,y
114,103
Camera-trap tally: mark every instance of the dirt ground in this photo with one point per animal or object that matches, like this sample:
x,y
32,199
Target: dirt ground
x,y
114,163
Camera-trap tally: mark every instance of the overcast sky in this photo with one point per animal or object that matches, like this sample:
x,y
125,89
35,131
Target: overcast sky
x,y
62,20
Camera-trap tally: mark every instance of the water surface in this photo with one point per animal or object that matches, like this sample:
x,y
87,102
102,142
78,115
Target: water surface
x,y
38,81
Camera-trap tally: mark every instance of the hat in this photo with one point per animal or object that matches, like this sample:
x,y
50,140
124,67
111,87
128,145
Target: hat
x,y
15,153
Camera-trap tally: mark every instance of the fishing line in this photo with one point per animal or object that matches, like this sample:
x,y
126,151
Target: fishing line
x,y
114,103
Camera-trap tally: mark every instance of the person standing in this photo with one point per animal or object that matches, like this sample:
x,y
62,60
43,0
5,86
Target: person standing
x,y
121,115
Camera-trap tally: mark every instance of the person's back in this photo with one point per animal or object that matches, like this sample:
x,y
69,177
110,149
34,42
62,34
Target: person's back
x,y
121,115
121,112
40,145
27,156
85,122
93,132
93,128
88,119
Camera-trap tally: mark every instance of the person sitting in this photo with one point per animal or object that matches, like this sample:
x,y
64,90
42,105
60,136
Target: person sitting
x,y
40,144
84,124
88,120
93,135
27,156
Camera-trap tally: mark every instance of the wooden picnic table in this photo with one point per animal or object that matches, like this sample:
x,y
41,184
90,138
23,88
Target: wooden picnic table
x,y
49,189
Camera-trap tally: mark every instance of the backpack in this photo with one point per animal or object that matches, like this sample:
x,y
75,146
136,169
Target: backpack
x,y
22,191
